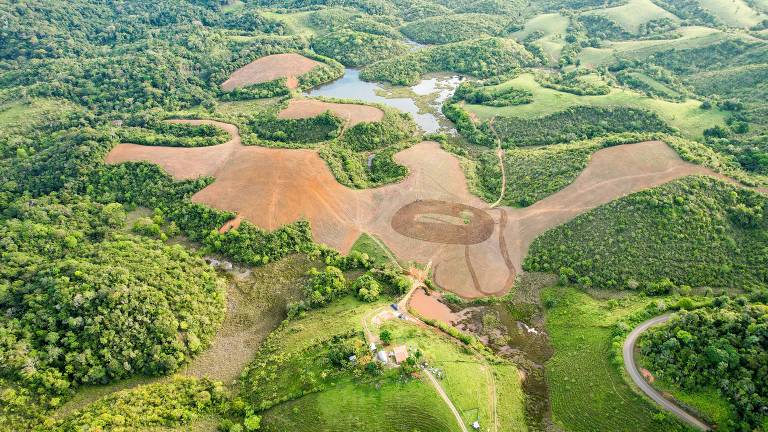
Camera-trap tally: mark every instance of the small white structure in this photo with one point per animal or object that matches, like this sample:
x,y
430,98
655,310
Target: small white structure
x,y
372,346
382,356
476,425
353,359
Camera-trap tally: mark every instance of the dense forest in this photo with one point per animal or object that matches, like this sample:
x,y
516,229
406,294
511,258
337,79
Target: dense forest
x,y
695,231
717,347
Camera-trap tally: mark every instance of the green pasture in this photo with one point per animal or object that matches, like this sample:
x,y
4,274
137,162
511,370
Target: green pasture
x,y
554,27
734,13
686,116
690,37
394,406
634,13
375,249
587,390
469,378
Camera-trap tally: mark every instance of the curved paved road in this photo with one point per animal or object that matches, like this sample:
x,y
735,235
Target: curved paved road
x,y
634,372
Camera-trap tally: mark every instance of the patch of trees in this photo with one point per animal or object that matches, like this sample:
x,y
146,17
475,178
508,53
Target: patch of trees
x,y
420,9
542,171
285,132
690,10
574,82
477,93
725,347
333,20
728,53
357,49
696,231
146,185
481,58
160,133
576,123
479,134
454,28
600,27
88,303
165,404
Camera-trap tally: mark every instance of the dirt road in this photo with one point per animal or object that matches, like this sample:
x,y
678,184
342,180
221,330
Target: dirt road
x,y
634,372
447,400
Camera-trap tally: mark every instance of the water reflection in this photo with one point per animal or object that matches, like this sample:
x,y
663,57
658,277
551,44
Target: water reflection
x,y
430,119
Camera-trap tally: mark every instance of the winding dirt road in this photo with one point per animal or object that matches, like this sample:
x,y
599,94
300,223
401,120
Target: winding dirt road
x,y
634,372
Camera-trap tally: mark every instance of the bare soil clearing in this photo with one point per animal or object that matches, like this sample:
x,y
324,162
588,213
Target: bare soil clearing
x,y
418,218
270,68
429,306
351,113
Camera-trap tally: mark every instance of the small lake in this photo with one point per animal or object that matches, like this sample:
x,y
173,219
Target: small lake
x,y
423,101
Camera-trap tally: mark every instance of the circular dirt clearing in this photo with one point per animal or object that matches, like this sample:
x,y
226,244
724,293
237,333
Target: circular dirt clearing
x,y
443,222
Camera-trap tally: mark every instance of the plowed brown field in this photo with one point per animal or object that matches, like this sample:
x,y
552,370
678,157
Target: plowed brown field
x,y
351,113
429,217
270,68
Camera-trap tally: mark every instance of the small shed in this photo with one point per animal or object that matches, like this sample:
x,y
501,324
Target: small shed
x,y
372,347
353,359
382,357
400,353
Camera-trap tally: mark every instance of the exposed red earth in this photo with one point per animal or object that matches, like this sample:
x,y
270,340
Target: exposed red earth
x,y
351,113
270,68
430,216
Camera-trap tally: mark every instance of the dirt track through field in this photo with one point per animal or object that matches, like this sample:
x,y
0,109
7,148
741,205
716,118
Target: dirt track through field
x,y
270,68
429,217
352,114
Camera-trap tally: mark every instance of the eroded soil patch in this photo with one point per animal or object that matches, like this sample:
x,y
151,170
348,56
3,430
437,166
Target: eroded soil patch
x,y
352,114
272,187
270,68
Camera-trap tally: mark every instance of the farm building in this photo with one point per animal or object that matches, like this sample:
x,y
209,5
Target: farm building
x,y
400,353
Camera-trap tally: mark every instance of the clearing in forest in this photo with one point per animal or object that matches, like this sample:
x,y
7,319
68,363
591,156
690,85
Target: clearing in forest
x,y
351,113
429,216
270,68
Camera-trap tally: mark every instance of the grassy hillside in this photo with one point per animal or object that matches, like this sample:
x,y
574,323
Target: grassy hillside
x,y
733,13
634,13
587,390
686,116
696,231
546,31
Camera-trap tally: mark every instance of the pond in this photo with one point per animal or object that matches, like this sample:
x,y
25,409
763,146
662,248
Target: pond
x,y
423,101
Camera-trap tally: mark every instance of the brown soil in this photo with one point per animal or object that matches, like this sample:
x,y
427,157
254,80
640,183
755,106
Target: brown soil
x,y
351,113
416,220
272,187
270,68
429,306
234,223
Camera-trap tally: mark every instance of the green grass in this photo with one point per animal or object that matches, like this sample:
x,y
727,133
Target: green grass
x,y
686,116
587,391
469,378
656,86
734,13
553,26
708,403
634,13
296,23
379,252
395,406
246,107
691,37
20,116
